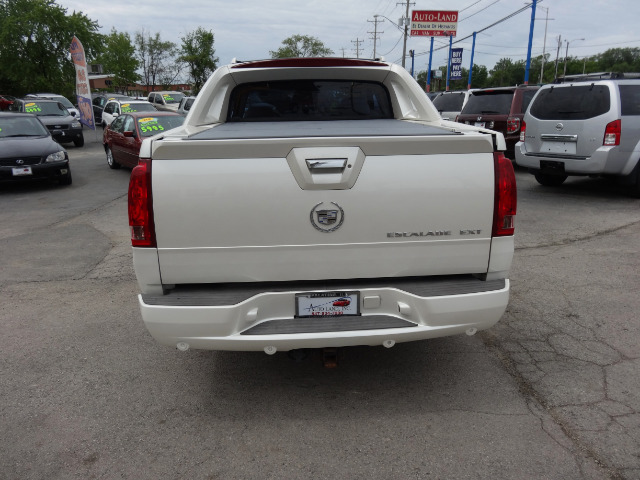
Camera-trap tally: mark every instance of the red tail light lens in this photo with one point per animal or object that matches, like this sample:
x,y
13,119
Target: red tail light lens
x,y
612,134
523,130
513,124
141,206
506,196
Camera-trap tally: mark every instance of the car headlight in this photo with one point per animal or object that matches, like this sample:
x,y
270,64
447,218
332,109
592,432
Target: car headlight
x,y
75,124
57,157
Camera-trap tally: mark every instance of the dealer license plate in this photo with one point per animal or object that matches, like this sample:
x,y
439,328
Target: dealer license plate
x,y
327,304
479,124
18,171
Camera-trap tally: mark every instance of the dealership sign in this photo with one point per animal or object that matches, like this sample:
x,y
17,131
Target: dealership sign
x,y
434,23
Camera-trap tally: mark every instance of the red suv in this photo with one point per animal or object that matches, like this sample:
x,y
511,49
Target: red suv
x,y
499,109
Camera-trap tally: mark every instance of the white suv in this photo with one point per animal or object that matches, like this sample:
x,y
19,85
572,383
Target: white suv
x,y
115,107
167,101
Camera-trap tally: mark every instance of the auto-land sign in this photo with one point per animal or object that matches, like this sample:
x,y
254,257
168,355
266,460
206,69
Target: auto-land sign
x,y
434,23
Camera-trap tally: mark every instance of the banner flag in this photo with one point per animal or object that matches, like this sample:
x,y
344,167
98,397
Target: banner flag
x,y
83,91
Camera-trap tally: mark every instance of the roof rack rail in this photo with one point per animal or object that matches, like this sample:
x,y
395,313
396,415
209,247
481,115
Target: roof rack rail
x,y
586,77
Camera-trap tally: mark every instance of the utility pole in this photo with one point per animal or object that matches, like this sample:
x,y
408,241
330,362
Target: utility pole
x,y
405,20
558,55
375,22
544,45
357,42
343,49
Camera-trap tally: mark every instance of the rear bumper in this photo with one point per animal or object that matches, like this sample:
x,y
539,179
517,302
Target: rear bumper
x,y
248,317
600,162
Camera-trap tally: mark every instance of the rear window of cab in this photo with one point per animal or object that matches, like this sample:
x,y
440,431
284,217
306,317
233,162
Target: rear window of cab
x,y
310,100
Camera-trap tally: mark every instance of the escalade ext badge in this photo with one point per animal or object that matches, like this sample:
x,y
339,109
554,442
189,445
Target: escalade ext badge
x,y
325,219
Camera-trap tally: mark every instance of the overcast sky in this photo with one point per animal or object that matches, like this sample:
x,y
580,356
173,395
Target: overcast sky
x,y
249,29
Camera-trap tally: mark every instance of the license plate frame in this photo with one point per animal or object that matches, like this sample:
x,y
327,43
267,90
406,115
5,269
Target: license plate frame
x,y
21,171
480,124
327,304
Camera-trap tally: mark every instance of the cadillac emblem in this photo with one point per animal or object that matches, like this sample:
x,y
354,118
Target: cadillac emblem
x,y
327,217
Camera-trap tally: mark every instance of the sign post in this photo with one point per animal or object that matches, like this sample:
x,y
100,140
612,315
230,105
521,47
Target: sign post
x,y
83,92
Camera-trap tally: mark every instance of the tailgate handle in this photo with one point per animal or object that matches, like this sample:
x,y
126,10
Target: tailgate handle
x,y
559,138
326,165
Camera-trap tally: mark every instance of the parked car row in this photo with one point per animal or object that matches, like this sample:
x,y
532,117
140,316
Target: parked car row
x,y
585,126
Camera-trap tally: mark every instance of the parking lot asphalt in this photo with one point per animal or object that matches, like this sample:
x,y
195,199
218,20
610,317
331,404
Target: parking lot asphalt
x,y
551,391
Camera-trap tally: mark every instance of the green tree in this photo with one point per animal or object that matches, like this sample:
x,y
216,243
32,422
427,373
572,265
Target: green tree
x,y
507,72
157,59
301,46
198,54
35,36
119,60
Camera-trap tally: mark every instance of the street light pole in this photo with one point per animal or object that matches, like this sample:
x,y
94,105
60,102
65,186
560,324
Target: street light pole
x,y
566,54
544,45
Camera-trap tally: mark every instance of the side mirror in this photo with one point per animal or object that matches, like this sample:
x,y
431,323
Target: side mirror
x,y
129,133
115,114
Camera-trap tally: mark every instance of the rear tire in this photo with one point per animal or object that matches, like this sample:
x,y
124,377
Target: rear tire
x,y
550,180
631,182
79,142
110,160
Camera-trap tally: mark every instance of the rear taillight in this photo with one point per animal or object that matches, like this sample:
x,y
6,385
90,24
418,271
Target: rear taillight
x,y
505,196
612,134
141,206
513,124
523,129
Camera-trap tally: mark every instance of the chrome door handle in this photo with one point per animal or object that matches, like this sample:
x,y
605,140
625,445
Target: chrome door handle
x,y
325,164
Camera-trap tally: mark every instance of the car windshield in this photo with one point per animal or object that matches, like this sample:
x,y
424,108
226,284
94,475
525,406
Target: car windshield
x,y
137,107
21,127
495,102
46,109
302,100
172,97
149,126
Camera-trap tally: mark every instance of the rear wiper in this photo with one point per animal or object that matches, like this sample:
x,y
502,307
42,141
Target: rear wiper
x,y
488,111
570,111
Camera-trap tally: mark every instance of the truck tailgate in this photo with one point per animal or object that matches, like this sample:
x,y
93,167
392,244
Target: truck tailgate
x,y
286,201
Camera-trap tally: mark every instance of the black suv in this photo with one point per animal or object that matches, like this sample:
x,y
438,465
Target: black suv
x,y
500,109
63,126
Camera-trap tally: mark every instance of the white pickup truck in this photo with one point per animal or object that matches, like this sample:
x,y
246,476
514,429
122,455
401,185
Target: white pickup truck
x,y
319,202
